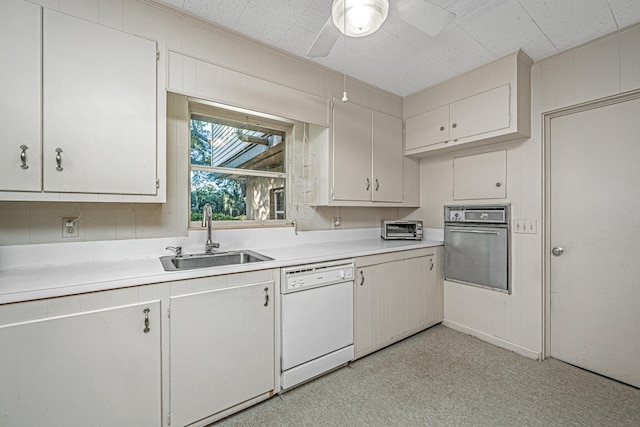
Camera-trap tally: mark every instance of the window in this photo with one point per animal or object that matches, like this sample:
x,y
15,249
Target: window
x,y
237,165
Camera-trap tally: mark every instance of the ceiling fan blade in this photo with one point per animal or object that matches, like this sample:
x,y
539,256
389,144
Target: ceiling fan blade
x,y
325,40
425,16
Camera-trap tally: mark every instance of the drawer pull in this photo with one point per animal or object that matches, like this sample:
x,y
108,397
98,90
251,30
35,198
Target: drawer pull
x,y
23,157
146,321
59,168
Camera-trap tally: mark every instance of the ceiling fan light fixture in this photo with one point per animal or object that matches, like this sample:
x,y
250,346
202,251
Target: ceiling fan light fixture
x,y
359,18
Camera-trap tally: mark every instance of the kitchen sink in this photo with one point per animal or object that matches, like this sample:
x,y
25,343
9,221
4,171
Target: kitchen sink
x,y
217,259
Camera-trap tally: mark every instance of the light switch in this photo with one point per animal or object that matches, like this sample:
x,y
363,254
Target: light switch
x,y
525,226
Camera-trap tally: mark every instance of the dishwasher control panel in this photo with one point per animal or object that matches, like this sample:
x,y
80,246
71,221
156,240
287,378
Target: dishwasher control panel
x,y
312,276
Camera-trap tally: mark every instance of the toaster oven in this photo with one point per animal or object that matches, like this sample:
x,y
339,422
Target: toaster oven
x,y
401,230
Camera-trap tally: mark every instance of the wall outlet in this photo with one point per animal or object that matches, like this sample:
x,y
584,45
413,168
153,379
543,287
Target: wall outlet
x,y
525,226
70,228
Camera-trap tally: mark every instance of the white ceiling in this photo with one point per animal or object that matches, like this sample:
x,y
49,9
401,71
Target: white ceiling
x,y
403,60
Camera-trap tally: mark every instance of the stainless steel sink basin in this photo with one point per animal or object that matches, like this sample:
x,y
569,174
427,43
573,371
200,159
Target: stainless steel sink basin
x,y
218,259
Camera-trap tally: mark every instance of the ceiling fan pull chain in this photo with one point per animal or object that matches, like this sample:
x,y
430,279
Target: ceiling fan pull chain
x,y
344,70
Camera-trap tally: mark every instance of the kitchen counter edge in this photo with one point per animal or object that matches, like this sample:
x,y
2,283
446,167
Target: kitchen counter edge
x,y
28,284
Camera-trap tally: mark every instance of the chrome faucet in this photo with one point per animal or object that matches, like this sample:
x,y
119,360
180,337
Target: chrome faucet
x,y
206,221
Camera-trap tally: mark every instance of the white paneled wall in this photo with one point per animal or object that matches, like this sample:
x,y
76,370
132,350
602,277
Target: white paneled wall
x,y
603,68
249,72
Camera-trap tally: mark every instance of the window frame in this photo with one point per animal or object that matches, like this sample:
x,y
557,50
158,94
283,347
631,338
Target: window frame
x,y
199,107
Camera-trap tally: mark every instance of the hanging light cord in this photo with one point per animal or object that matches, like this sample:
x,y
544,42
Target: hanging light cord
x,y
344,36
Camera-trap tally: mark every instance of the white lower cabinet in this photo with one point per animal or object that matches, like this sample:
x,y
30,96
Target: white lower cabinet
x,y
185,353
396,295
222,348
100,367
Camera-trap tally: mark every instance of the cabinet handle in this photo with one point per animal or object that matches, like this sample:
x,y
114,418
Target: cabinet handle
x,y
431,266
368,183
23,157
441,128
266,297
498,184
361,278
59,159
146,321
455,125
377,185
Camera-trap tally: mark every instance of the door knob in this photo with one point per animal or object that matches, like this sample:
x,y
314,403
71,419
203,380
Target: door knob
x,y
557,251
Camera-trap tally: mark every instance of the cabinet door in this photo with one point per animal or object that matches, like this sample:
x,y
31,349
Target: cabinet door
x,y
393,300
222,350
366,326
351,152
20,82
99,108
485,112
431,127
480,176
388,158
88,369
421,294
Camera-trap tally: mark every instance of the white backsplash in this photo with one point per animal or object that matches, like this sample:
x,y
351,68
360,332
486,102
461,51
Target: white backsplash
x,y
24,256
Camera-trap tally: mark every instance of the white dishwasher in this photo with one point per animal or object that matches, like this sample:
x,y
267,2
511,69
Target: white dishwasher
x,y
317,320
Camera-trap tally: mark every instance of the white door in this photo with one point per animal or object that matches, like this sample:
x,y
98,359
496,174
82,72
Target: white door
x,y
427,128
222,350
351,152
595,282
480,176
388,158
20,54
97,368
485,112
99,108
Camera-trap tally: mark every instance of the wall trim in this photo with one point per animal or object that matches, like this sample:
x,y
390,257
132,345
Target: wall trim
x,y
507,345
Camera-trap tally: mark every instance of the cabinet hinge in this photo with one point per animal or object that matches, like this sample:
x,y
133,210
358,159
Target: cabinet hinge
x,y
157,55
168,418
169,311
157,184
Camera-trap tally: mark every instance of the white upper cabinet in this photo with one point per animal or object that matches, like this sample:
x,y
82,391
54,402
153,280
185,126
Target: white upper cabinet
x,y
352,130
487,105
482,113
79,110
364,160
480,176
20,53
99,109
428,128
387,158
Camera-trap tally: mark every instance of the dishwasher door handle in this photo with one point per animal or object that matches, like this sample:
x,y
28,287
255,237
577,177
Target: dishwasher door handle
x,y
475,231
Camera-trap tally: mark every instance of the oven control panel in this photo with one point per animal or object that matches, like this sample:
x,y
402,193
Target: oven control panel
x,y
454,215
494,214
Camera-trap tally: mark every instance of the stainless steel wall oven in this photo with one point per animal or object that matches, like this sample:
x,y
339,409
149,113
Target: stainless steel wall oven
x,y
477,246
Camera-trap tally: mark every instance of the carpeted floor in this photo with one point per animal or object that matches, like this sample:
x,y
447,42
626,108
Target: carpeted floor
x,y
441,377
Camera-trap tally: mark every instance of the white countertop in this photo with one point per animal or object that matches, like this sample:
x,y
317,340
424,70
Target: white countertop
x,y
54,279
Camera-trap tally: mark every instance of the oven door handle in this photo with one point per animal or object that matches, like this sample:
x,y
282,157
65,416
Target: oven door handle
x,y
474,231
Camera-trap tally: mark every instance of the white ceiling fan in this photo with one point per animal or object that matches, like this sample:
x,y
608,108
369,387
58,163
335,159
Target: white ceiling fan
x,y
364,17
